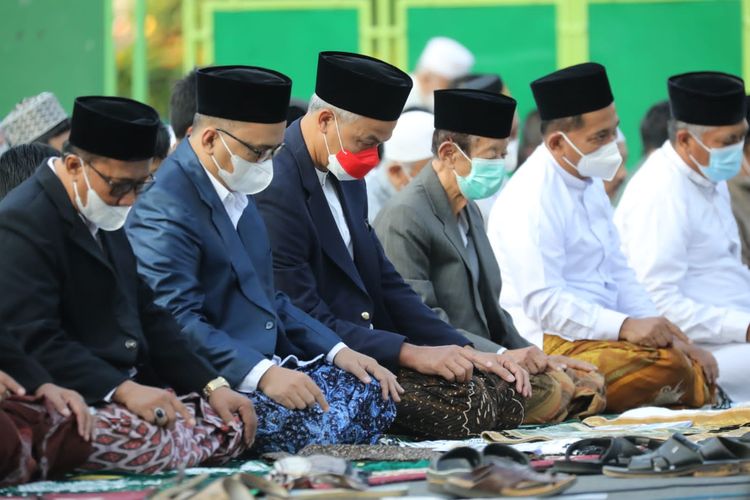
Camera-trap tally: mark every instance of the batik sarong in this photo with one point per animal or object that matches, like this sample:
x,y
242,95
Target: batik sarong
x,y
639,376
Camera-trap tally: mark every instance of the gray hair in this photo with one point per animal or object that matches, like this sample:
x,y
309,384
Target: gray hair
x,y
316,104
674,125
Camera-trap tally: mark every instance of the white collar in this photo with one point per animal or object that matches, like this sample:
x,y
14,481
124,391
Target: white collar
x,y
685,169
569,179
221,190
322,176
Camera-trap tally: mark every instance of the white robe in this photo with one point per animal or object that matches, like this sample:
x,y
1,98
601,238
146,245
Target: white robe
x,y
680,237
559,253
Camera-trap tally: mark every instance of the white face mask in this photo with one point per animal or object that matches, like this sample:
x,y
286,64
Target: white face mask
x,y
602,163
511,159
104,216
247,177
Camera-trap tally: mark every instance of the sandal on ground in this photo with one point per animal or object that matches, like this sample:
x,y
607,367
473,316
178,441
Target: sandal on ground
x,y
453,462
723,448
503,452
509,479
588,456
678,457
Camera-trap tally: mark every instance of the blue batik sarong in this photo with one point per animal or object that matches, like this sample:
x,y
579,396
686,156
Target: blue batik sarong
x,y
357,414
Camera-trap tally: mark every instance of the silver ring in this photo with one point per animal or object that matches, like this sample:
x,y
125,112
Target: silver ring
x,y
161,417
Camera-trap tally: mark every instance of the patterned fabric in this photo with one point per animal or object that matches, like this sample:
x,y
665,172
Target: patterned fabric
x,y
361,452
36,442
432,407
125,442
558,396
32,118
357,415
639,376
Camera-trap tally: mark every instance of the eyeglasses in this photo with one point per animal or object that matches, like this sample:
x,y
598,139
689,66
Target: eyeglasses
x,y
119,188
261,155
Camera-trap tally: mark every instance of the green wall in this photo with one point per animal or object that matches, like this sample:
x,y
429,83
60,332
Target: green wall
x,y
642,44
516,42
285,40
52,45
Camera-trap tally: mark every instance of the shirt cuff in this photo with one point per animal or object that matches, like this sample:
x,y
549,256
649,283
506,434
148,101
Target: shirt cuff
x,y
607,325
501,350
110,395
333,352
734,327
250,383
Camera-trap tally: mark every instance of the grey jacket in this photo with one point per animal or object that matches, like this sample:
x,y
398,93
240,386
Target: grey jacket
x,y
421,237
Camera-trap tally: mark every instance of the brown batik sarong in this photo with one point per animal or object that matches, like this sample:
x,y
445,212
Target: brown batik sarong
x,y
639,376
561,395
433,408
36,442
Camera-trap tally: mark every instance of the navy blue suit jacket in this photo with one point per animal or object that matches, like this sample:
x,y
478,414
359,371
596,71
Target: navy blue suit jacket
x,y
363,299
217,281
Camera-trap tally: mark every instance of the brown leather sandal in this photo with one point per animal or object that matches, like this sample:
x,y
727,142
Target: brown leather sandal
x,y
507,479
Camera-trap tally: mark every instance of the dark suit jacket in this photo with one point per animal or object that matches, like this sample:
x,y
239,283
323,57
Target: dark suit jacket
x,y
23,368
215,279
78,308
363,299
421,236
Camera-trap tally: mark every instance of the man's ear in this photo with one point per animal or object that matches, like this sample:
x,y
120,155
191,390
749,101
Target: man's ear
x,y
682,138
447,152
72,164
325,119
209,136
555,142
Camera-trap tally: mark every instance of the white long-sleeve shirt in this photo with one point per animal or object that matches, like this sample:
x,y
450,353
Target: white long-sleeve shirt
x,y
680,237
559,253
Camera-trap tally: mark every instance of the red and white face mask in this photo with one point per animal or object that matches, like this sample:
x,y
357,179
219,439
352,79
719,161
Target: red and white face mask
x,y
348,166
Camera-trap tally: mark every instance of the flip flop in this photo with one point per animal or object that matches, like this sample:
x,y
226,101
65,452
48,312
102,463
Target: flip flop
x,y
454,462
588,456
510,479
678,457
496,451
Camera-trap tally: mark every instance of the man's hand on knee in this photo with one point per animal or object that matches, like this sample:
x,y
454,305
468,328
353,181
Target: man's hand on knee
x,y
656,332
292,389
531,359
453,363
504,367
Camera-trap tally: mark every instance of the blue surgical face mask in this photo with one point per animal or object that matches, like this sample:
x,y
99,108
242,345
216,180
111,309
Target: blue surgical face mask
x,y
723,163
485,179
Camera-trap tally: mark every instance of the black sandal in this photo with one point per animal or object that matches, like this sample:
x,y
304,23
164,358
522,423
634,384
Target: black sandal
x,y
616,451
679,457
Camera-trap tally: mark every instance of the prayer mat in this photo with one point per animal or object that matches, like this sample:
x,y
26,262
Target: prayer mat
x,y
358,452
581,431
639,376
700,418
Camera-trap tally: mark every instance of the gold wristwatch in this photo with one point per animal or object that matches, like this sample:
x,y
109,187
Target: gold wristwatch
x,y
216,383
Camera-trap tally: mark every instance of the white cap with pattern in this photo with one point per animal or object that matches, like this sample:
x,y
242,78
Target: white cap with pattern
x,y
32,118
